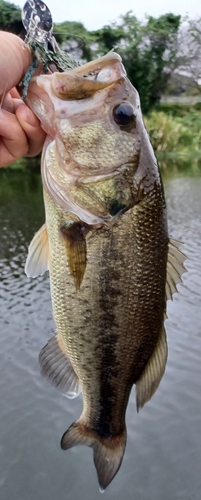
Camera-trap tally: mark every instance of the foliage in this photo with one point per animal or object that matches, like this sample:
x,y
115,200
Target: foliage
x,y
176,137
189,50
148,51
74,39
10,18
179,110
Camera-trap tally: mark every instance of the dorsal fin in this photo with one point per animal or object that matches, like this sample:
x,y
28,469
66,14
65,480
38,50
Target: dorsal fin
x,y
38,254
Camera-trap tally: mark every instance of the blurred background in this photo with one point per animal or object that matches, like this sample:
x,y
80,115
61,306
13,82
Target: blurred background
x,y
162,55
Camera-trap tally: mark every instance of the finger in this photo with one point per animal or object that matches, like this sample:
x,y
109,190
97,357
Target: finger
x,y
17,103
31,126
14,93
11,103
7,103
13,140
15,55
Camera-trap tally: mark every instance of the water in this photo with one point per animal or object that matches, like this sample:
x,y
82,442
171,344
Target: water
x,y
163,454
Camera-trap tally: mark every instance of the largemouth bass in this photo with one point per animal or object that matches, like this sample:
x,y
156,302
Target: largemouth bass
x,y
105,242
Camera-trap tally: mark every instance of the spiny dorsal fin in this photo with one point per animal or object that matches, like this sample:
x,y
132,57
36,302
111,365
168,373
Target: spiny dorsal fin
x,y
175,267
57,368
153,372
76,251
108,451
38,254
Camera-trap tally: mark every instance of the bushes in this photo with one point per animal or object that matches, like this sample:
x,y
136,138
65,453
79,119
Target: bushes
x,y
176,138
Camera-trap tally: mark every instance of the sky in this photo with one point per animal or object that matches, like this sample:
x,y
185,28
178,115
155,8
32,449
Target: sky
x,y
96,14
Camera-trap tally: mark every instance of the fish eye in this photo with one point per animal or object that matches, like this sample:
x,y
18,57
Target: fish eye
x,y
124,114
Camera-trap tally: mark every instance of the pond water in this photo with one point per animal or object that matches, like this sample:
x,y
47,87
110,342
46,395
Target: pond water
x,y
163,455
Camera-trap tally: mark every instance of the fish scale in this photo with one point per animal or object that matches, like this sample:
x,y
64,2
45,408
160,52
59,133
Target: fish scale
x,y
125,319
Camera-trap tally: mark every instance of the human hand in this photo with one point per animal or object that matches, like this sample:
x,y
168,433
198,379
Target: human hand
x,y
20,130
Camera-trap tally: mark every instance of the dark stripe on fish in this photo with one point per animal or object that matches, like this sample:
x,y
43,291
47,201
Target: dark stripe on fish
x,y
106,424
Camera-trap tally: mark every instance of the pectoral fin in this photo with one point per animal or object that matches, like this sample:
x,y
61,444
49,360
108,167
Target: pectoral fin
x,y
153,372
75,251
38,254
57,368
175,267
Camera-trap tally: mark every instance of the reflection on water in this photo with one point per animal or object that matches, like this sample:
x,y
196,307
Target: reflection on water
x,y
163,454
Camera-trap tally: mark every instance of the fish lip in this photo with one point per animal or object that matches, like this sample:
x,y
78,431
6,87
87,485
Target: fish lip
x,y
112,58
78,83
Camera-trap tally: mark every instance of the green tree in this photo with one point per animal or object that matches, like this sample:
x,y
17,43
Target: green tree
x,y
10,18
148,52
107,38
74,39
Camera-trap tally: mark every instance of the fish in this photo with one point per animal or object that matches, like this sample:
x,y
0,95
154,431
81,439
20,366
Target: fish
x,y
105,243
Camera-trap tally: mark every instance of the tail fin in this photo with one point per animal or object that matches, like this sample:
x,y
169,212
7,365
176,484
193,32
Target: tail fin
x,y
108,452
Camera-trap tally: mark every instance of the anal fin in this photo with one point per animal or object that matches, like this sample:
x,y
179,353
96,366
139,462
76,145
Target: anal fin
x,y
175,267
150,379
57,368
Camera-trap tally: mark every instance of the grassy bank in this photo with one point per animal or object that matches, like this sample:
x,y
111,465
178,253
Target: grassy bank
x,y
175,133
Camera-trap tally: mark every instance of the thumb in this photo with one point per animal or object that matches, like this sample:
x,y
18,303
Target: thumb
x,y
14,61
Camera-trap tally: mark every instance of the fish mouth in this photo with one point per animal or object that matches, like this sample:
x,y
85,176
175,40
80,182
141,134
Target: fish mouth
x,y
84,81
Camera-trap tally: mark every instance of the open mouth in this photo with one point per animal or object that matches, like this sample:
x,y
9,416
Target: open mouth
x,y
83,81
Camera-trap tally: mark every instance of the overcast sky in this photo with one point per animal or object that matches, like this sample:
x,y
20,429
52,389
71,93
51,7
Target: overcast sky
x,y
95,14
